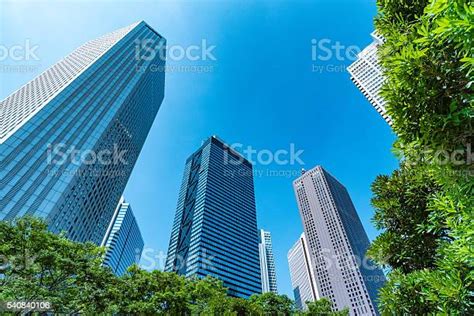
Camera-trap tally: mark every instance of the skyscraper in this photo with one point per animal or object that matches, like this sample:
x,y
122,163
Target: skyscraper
x,y
215,228
267,263
123,240
71,136
302,278
337,242
366,73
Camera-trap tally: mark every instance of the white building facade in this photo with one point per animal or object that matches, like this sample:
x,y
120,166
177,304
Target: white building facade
x,y
337,243
267,262
366,73
302,278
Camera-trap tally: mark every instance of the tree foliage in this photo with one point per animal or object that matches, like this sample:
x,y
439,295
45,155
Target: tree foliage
x,y
425,209
272,304
401,210
323,307
428,62
38,265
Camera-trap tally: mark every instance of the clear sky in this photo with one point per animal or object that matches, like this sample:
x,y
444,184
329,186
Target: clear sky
x,y
264,89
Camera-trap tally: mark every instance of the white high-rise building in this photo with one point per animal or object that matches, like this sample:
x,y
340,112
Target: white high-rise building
x,y
337,243
267,263
366,73
302,278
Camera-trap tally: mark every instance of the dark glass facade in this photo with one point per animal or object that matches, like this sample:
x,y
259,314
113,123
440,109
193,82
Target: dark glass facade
x,y
123,240
100,100
215,227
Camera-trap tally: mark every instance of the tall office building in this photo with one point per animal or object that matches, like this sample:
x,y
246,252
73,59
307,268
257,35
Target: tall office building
x,y
367,75
215,228
267,263
337,242
302,278
71,136
123,240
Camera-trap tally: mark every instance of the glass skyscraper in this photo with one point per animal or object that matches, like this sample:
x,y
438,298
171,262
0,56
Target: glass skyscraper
x,y
123,240
70,137
337,243
267,263
215,228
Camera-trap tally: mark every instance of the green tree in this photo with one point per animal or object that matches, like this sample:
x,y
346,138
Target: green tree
x,y
401,211
156,292
151,292
39,265
428,64
323,307
397,11
208,296
42,266
242,307
273,304
426,208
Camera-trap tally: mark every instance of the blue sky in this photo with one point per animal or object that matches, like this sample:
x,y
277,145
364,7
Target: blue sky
x,y
261,91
